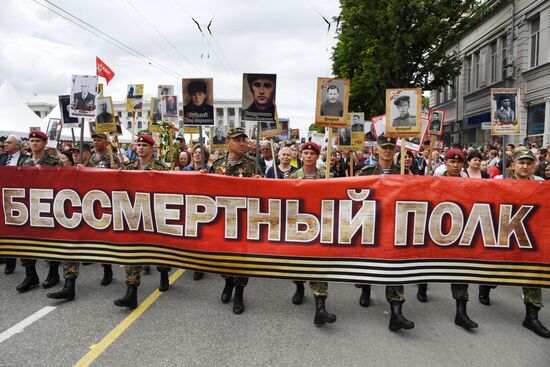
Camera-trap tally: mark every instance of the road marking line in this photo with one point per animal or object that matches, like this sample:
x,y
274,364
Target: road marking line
x,y
97,349
20,326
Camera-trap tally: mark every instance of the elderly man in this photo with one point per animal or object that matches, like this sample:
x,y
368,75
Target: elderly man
x,y
104,117
12,156
310,155
37,142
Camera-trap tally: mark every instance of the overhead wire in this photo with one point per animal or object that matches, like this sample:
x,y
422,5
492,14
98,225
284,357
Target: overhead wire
x,y
107,38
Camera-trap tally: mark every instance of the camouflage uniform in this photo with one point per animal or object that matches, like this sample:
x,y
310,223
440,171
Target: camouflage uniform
x,y
318,289
133,272
393,292
47,160
244,167
71,268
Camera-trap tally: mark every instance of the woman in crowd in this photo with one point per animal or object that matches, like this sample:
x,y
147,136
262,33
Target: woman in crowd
x,y
183,160
295,160
66,158
474,165
284,169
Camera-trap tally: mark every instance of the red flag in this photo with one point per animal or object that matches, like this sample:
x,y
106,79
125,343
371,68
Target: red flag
x,y
103,70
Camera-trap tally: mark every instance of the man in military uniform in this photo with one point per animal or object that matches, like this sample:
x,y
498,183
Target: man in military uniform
x,y
145,162
309,170
395,294
39,157
235,163
403,104
454,161
100,159
523,165
86,154
12,156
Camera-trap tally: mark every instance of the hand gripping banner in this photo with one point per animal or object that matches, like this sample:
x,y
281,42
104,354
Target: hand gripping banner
x,y
373,229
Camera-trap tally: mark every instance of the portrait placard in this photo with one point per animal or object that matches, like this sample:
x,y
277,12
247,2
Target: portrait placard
x,y
436,121
414,144
218,138
134,97
295,134
198,99
155,115
259,103
505,111
344,137
118,131
65,109
285,131
332,102
317,138
170,110
404,112
438,145
378,126
165,90
191,130
53,132
83,96
105,120
358,127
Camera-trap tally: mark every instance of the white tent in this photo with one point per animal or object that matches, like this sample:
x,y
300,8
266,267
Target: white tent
x,y
66,133
15,116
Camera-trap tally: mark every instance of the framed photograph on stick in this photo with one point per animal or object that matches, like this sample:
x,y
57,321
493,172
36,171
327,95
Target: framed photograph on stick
x,y
53,132
83,96
436,121
404,112
332,102
198,99
105,120
65,109
134,97
505,111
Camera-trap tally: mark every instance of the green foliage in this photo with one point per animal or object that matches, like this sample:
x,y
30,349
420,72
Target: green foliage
x,y
168,144
319,129
399,44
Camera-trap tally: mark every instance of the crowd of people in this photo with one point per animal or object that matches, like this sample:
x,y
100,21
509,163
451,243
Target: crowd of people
x,y
282,160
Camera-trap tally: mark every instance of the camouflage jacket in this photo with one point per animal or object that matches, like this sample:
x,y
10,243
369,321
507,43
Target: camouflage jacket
x,y
245,167
104,161
47,160
300,174
376,169
153,165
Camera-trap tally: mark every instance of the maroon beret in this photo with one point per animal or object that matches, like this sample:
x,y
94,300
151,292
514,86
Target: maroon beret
x,y
38,134
311,146
455,154
144,138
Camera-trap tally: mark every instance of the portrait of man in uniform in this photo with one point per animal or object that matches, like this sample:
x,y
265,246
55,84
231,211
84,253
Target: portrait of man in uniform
x,y
104,116
197,97
331,108
404,111
83,96
505,114
405,118
436,122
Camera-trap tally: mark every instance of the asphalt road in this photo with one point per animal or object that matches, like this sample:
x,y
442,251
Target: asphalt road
x,y
189,326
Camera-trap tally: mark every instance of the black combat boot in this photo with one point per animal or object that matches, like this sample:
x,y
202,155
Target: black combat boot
x,y
422,295
164,282
10,266
31,279
397,320
364,300
53,275
227,290
461,318
66,293
298,296
146,269
107,274
532,322
484,298
238,302
130,298
321,314
198,275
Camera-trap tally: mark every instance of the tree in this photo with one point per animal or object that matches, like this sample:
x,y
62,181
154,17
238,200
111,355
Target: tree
x,y
399,44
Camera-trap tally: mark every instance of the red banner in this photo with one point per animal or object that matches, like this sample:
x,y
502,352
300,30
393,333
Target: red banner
x,y
103,70
375,229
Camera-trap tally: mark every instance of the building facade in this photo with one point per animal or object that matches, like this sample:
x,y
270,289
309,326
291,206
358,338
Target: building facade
x,y
508,49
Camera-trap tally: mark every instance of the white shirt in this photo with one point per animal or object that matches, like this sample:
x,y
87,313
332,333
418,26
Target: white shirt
x,y
268,164
14,158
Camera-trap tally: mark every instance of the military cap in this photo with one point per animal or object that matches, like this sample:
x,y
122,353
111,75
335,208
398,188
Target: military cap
x,y
85,146
38,134
196,86
524,154
144,138
99,135
455,154
398,101
180,138
311,146
252,77
384,141
237,131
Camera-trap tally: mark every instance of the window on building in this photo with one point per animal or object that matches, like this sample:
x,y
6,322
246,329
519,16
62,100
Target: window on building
x,y
504,56
139,113
535,119
468,67
129,114
231,111
119,113
535,37
477,71
494,59
129,125
482,68
440,96
219,112
449,92
139,125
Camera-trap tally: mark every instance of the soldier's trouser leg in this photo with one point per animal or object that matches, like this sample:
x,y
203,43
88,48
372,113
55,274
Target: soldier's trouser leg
x,y
237,280
319,289
133,275
395,293
532,296
28,262
164,281
460,291
70,270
